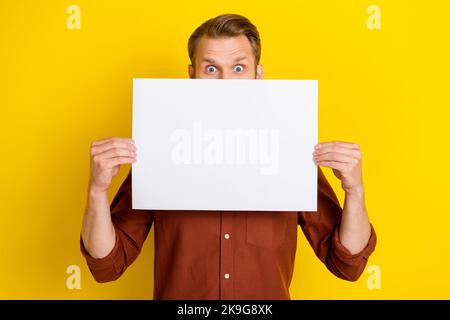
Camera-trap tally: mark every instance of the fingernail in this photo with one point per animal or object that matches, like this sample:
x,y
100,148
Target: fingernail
x,y
132,141
317,146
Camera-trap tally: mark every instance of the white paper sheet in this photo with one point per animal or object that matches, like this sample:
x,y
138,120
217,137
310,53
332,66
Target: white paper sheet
x,y
225,144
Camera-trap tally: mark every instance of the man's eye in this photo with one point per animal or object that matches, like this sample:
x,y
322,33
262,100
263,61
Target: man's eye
x,y
211,69
238,68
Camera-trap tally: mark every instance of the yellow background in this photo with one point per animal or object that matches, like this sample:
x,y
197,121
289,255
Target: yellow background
x,y
385,89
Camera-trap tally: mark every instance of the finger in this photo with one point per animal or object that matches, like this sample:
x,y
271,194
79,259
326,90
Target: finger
x,y
342,144
354,153
330,147
112,144
101,141
120,160
106,140
116,152
336,156
333,165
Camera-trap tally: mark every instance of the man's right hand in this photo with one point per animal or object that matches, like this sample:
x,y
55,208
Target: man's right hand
x,y
106,157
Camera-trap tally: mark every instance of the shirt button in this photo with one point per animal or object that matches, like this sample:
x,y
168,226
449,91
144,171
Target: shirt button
x,y
227,236
227,276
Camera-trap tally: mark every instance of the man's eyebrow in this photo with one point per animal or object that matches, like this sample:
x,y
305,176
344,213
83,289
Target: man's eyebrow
x,y
240,59
209,60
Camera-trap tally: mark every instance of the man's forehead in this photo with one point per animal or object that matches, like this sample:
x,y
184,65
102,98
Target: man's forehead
x,y
228,49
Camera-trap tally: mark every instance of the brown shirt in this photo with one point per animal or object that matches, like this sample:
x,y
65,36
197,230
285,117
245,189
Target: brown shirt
x,y
227,255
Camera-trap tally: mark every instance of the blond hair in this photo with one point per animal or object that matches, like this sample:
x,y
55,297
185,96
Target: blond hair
x,y
226,25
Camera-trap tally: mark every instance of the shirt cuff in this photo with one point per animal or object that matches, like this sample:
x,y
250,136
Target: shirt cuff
x,y
100,263
345,255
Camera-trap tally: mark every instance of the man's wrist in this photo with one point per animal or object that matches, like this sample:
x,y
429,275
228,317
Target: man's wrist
x,y
355,192
94,192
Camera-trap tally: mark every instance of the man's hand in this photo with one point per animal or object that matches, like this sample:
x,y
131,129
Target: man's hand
x,y
345,160
98,231
106,157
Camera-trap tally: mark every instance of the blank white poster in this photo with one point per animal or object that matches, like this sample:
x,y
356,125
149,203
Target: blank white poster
x,y
241,145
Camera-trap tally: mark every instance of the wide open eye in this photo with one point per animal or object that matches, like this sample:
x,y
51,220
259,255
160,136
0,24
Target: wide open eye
x,y
238,68
211,69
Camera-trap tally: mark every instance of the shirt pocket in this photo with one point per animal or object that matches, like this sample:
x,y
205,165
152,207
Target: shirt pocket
x,y
266,229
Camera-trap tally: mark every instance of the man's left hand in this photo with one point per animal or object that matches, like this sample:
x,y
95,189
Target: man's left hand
x,y
345,160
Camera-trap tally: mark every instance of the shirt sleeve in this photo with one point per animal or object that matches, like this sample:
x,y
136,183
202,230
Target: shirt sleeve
x,y
131,228
321,229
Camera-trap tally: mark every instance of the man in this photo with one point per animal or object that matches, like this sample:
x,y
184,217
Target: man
x,y
225,255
